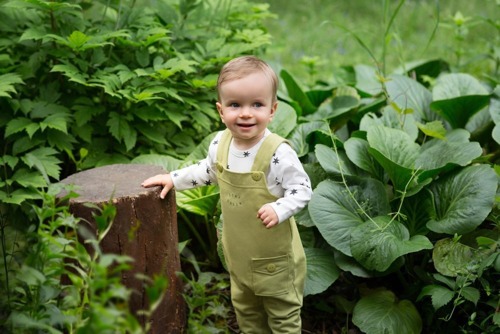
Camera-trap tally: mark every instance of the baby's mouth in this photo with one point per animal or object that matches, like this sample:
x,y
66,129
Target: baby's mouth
x,y
246,125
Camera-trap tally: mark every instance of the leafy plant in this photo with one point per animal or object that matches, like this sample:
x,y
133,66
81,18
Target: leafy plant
x,y
60,285
400,173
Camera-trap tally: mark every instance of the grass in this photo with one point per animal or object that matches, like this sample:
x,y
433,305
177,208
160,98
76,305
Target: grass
x,y
320,32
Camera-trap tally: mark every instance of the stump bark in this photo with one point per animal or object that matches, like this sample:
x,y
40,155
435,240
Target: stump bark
x,y
145,228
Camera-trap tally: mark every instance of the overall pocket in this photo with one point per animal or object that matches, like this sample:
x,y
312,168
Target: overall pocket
x,y
271,275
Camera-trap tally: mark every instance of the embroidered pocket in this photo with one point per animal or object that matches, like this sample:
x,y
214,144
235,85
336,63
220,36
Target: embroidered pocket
x,y
271,276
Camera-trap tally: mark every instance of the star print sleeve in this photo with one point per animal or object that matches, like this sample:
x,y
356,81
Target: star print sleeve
x,y
199,174
196,175
295,183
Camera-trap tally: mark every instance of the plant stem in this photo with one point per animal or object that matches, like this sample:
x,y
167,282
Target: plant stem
x,y
195,232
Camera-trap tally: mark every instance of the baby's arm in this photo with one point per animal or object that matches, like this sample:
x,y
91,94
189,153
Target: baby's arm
x,y
164,180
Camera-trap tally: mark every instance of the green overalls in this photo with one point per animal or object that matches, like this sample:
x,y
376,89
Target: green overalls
x,y
267,266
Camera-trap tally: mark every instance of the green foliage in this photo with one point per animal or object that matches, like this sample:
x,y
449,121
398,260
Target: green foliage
x,y
87,84
90,83
207,298
402,173
53,283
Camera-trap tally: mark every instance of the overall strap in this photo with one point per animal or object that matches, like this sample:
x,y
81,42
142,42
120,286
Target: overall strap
x,y
266,152
223,148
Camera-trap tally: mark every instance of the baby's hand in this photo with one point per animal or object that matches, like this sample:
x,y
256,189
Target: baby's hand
x,y
268,216
164,180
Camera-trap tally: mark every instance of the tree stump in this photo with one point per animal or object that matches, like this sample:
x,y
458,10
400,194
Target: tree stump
x,y
145,228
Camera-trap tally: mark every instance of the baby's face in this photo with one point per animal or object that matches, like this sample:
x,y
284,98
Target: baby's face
x,y
246,106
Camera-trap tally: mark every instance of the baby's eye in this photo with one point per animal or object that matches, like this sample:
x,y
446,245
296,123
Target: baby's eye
x,y
234,105
258,105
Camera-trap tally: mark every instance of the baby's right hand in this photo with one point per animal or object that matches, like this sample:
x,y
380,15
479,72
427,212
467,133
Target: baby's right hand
x,y
164,180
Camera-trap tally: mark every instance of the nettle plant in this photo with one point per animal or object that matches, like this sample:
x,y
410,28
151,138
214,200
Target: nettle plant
x,y
405,193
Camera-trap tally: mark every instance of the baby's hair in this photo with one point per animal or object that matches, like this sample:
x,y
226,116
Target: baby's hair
x,y
240,67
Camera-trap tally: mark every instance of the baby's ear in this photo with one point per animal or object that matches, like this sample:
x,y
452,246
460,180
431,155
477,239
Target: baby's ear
x,y
274,108
219,107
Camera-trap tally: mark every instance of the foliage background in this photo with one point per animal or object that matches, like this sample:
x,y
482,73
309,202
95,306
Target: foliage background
x,y
89,83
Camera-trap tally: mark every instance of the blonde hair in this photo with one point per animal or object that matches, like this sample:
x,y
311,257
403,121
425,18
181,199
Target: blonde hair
x,y
240,67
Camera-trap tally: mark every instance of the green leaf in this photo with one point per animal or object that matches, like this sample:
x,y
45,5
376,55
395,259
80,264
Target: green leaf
x,y
201,201
366,80
461,201
388,240
168,163
440,295
56,121
152,133
17,125
433,129
495,116
321,270
29,179
457,97
297,94
452,258
357,151
120,129
407,93
334,163
335,213
299,137
349,264
390,119
7,82
201,151
45,161
19,196
442,155
72,73
397,153
284,120
471,294
181,65
382,313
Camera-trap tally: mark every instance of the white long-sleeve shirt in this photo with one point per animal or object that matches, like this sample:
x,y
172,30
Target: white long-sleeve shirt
x,y
286,178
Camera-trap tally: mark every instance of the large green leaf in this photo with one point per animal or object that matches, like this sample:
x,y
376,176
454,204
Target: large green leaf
x,y
382,313
336,163
457,97
347,263
423,68
343,106
461,201
367,80
407,93
453,258
391,119
299,136
397,153
201,201
284,120
336,211
378,242
445,154
297,94
321,270
495,116
357,151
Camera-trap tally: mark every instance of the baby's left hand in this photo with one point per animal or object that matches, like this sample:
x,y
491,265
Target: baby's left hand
x,y
268,216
